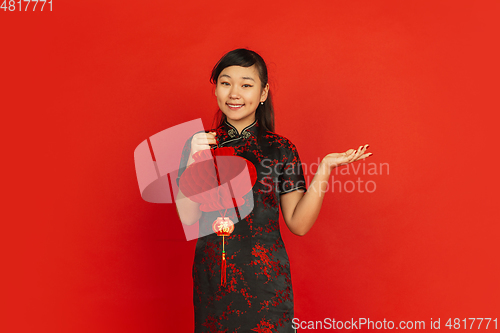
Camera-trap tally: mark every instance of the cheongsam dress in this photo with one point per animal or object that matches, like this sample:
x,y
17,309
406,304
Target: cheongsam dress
x,y
258,295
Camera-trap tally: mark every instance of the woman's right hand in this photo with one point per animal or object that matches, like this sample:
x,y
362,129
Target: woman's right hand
x,y
202,141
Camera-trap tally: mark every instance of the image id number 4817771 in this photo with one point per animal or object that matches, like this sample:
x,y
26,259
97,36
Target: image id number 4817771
x,y
26,5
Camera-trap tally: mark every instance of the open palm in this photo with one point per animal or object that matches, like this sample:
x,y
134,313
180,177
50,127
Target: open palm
x,y
352,155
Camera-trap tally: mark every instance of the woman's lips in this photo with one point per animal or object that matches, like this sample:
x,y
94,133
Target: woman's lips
x,y
235,107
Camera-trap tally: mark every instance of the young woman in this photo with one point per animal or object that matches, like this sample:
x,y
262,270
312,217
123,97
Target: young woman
x,y
258,294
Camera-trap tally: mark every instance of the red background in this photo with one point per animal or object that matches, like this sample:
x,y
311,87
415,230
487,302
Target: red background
x,y
83,85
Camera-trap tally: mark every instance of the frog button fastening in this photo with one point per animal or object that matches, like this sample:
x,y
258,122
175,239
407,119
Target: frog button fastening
x,y
232,133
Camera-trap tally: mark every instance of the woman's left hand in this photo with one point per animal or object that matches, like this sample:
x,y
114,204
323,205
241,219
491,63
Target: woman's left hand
x,y
337,159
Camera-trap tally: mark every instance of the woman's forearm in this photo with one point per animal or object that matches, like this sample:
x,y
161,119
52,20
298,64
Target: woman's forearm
x,y
189,211
309,206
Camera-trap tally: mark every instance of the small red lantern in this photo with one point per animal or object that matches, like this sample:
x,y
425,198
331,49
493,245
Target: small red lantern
x,y
223,226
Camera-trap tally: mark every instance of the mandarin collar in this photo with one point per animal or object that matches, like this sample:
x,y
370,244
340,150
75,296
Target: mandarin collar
x,y
231,133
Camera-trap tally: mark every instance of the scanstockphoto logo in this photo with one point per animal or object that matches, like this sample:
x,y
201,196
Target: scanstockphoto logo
x,y
340,180
365,324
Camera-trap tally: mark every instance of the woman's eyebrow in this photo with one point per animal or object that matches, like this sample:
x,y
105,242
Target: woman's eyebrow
x,y
244,77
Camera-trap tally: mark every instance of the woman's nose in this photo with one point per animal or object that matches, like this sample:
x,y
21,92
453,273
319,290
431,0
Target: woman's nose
x,y
234,93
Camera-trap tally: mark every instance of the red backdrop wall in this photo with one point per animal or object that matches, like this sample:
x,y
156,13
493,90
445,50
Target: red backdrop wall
x,y
84,84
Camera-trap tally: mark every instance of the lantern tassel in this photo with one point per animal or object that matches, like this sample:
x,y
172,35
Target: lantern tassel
x,y
223,268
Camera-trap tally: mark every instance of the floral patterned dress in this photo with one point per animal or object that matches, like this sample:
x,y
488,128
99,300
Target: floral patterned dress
x,y
258,295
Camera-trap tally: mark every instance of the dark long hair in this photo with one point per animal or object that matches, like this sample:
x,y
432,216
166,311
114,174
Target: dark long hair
x,y
247,58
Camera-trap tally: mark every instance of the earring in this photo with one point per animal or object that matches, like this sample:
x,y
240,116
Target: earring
x,y
261,103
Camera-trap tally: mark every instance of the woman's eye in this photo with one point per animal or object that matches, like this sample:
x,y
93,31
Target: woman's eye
x,y
224,83
247,85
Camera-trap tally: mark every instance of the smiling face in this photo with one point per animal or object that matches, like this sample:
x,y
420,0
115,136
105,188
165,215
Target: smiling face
x,y
239,92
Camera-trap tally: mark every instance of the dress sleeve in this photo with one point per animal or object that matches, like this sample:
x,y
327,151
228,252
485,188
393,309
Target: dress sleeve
x,y
184,159
292,176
